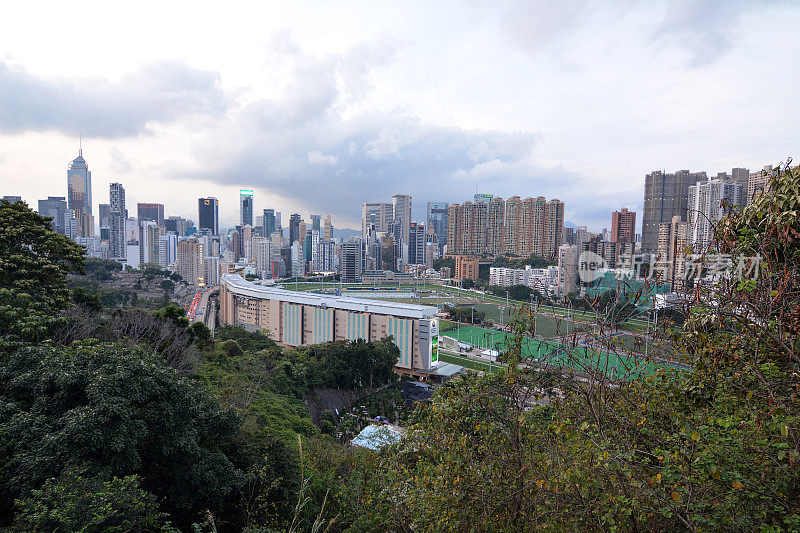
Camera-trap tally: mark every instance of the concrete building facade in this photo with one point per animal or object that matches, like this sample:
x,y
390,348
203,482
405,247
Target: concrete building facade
x,y
299,318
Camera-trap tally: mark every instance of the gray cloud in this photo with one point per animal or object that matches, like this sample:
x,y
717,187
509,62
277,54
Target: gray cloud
x,y
308,146
704,29
159,92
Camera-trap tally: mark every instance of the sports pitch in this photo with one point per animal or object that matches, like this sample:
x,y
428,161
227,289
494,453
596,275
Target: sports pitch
x,y
579,358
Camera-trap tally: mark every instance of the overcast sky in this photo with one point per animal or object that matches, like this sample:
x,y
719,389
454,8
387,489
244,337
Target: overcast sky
x,y
319,107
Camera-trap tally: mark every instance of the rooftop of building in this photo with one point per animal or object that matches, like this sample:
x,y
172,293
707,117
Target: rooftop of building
x,y
240,286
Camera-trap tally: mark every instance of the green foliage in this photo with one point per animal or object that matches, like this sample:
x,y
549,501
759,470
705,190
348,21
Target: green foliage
x,y
249,340
534,261
117,411
76,502
464,313
93,263
348,364
87,300
34,261
711,449
151,270
168,286
449,262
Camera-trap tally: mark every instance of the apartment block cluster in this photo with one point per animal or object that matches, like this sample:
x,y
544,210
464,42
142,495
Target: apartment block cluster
x,y
681,210
469,232
198,252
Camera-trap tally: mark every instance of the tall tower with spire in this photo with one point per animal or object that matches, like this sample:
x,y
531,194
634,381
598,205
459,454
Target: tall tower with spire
x,y
79,193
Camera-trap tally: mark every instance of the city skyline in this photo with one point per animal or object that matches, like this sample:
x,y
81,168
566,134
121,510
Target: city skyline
x,y
314,105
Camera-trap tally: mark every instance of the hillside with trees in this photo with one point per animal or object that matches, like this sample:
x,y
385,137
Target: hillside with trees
x,y
130,419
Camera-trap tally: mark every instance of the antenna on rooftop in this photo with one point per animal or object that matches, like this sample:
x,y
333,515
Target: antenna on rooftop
x,y
80,144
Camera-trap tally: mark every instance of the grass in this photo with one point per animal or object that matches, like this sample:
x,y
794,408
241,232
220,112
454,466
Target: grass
x,y
468,363
580,358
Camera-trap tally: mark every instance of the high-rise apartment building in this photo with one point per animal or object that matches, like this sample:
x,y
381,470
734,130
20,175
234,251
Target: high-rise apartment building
x,y
672,242
327,229
758,182
150,234
117,221
517,227
378,214
416,244
553,227
741,176
436,223
513,226
708,203
190,261
567,269
246,207
495,226
55,207
352,254
401,210
665,196
150,213
623,226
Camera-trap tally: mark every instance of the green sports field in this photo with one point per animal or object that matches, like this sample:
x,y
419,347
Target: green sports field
x,y
580,358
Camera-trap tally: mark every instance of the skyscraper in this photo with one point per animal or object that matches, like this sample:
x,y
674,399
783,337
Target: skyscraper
x,y
517,227
401,210
495,226
708,202
377,213
150,213
246,207
117,218
352,253
294,228
328,229
759,182
665,196
56,208
623,226
553,228
177,225
437,222
79,196
316,223
103,212
268,220
208,215
672,241
79,185
416,244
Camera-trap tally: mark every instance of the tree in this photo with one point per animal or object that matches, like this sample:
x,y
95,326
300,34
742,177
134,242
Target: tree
x,y
167,286
34,261
520,292
117,411
75,501
712,446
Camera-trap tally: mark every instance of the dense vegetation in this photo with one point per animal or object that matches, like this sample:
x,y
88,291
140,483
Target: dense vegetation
x,y
130,420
